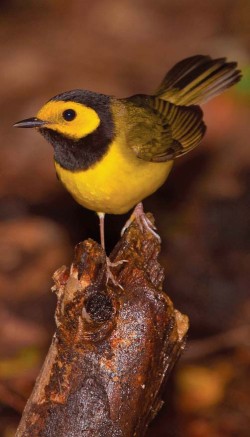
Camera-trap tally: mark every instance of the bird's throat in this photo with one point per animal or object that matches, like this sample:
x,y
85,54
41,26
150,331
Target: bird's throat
x,y
81,154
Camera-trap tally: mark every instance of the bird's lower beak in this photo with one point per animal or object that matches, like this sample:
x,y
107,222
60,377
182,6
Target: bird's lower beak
x,y
30,122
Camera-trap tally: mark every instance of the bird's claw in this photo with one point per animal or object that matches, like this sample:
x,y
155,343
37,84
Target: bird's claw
x,y
142,220
110,276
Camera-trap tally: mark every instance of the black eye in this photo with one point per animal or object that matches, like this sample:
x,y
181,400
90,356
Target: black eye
x,y
69,114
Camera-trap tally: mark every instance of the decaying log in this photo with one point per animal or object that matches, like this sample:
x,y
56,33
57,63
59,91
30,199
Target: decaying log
x,y
113,349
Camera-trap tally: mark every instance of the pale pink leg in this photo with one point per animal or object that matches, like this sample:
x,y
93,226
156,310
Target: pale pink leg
x,y
110,275
142,220
101,216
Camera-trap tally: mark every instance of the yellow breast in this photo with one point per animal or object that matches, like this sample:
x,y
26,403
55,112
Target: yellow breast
x,y
117,183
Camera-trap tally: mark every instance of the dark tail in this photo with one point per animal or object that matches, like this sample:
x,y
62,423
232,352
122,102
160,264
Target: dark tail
x,y
197,79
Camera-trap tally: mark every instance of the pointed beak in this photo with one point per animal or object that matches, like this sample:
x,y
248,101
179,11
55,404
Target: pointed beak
x,y
30,122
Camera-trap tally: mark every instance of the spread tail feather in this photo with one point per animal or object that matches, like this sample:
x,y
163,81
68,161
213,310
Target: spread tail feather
x,y
197,79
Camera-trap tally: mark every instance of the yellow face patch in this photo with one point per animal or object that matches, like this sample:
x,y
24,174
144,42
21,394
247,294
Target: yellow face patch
x,y
85,120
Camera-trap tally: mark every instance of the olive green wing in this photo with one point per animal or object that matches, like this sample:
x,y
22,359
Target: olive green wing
x,y
157,130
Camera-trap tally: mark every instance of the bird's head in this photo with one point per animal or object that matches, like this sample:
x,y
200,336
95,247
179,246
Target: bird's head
x,y
78,124
73,114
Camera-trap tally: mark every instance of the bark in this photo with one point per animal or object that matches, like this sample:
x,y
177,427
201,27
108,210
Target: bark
x,y
113,348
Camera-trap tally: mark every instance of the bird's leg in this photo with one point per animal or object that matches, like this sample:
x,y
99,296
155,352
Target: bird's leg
x,y
101,216
110,275
142,220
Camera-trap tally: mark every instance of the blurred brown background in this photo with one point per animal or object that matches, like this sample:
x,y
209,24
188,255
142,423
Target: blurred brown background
x,y
202,213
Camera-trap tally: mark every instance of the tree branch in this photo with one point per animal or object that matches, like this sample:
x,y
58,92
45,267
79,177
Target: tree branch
x,y
113,349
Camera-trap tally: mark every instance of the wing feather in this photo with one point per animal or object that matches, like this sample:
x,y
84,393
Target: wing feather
x,y
159,130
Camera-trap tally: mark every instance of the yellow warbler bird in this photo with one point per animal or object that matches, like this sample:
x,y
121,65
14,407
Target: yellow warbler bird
x,y
111,153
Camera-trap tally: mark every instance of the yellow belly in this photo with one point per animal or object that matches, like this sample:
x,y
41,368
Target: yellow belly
x,y
116,183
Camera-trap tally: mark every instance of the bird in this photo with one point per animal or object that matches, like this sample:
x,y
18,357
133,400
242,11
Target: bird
x,y
111,153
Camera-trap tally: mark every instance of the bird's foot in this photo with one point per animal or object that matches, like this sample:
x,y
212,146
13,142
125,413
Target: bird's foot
x,y
110,276
142,220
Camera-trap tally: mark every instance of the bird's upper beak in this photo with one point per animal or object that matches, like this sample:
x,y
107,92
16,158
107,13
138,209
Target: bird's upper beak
x,y
30,122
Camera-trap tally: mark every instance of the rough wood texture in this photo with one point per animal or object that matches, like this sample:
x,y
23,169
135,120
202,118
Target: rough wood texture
x,y
113,349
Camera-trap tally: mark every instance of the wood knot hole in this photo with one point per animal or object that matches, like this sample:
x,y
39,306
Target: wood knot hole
x,y
99,307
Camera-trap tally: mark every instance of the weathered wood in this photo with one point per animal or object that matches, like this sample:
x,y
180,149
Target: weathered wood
x,y
113,349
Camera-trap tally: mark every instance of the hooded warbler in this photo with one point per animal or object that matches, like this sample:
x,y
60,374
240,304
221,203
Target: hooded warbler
x,y
111,153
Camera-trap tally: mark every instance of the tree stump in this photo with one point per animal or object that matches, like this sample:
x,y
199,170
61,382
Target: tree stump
x,y
113,348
